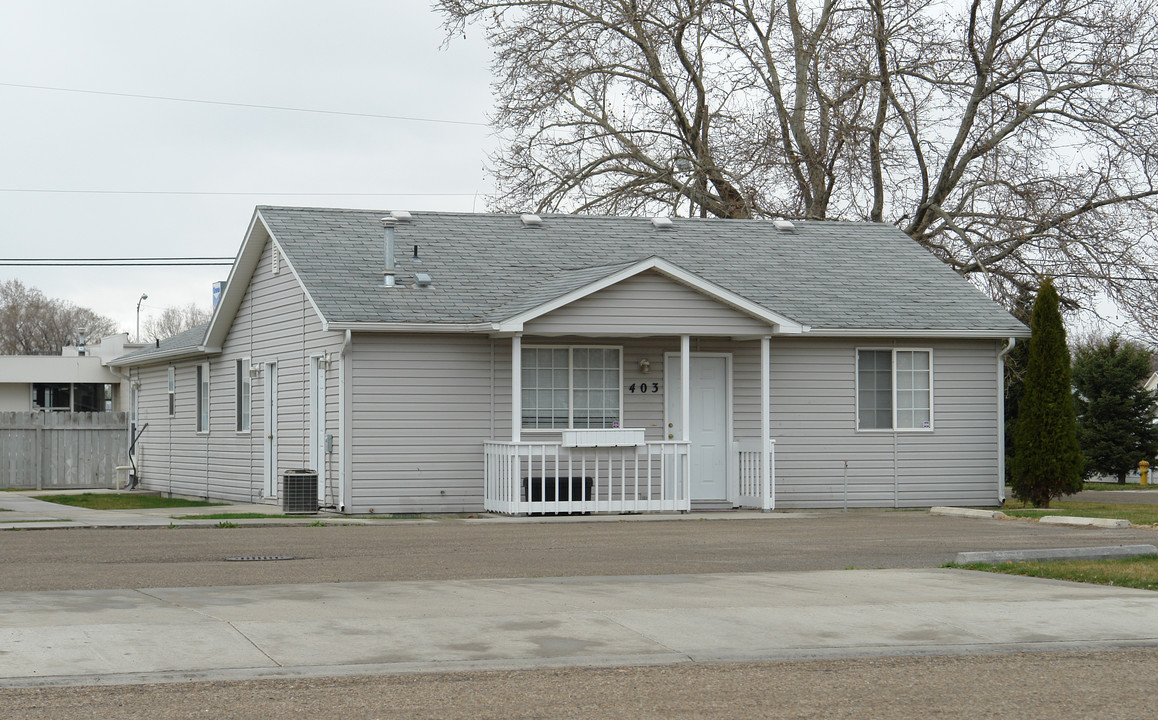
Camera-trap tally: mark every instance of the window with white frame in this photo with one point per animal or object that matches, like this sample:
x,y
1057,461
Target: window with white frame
x,y
571,387
172,391
203,398
894,389
244,395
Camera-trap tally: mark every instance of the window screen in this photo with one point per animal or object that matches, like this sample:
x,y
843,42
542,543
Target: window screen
x,y
203,398
894,386
875,389
570,387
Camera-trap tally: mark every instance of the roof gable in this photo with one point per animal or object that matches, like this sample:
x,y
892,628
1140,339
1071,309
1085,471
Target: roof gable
x,y
652,293
240,276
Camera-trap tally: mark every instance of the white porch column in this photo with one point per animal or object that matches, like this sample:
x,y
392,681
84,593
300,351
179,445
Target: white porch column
x,y
767,490
517,388
685,388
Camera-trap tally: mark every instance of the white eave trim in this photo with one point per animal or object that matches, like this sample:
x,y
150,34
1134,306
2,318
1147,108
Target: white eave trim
x,y
419,327
908,333
780,324
162,356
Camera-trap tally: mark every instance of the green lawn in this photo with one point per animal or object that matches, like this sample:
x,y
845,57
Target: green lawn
x,y
110,501
1116,486
1141,572
1136,514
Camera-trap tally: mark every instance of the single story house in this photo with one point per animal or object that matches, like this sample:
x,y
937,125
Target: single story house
x,y
446,362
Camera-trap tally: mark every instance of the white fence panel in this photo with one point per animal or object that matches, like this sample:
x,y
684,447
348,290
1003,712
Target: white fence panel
x,y
547,477
756,490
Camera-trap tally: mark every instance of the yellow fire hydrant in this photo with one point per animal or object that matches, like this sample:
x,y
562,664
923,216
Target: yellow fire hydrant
x,y
1144,472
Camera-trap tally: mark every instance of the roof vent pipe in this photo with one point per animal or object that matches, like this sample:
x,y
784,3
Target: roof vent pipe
x,y
390,262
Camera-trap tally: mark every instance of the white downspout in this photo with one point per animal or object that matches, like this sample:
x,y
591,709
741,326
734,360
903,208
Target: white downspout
x,y
1001,419
343,422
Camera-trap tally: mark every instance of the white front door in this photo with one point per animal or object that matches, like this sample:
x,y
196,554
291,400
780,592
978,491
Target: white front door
x,y
269,412
709,420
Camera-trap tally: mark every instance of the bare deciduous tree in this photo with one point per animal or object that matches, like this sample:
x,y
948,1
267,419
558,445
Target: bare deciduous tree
x,y
32,324
1015,140
173,320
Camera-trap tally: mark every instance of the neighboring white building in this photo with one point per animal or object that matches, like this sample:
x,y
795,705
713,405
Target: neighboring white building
x,y
70,382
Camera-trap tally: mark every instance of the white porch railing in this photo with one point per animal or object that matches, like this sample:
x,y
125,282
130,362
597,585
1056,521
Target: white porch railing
x,y
546,477
756,489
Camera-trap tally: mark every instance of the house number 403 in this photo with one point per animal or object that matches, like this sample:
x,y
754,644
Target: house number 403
x,y
644,387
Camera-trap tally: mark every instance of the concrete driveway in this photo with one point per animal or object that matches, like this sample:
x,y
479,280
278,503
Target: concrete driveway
x,y
224,633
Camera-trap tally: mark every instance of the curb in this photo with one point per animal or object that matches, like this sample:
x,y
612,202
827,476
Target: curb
x,y
967,513
1084,521
1085,553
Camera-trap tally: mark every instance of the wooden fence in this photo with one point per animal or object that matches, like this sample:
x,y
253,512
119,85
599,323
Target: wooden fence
x,y
58,450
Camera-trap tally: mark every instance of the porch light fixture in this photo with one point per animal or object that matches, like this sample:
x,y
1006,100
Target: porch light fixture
x,y
254,370
645,366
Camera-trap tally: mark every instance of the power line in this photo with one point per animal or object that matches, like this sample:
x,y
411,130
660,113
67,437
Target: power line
x,y
117,262
125,259
210,192
407,118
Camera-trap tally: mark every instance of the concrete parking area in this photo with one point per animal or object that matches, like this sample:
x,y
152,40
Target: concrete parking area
x,y
226,633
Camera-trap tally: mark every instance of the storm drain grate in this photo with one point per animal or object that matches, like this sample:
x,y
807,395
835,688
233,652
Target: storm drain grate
x,y
257,558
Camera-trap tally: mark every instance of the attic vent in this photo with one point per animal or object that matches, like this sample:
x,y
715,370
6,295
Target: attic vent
x,y
662,223
532,221
422,280
401,215
784,225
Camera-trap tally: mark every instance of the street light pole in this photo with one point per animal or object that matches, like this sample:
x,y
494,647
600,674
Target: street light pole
x,y
144,297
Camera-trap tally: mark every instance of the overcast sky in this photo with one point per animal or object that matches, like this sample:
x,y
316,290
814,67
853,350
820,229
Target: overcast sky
x,y
101,175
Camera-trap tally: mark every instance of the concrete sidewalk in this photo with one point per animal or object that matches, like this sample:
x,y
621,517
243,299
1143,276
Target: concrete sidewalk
x,y
20,511
178,634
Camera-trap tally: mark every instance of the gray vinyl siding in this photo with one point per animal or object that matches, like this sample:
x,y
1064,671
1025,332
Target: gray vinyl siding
x,y
813,414
421,406
275,323
421,410
648,303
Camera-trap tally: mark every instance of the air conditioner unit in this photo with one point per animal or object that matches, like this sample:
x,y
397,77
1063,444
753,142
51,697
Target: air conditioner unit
x,y
299,493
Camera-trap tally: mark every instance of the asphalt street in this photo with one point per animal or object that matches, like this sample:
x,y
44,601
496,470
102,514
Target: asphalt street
x,y
458,549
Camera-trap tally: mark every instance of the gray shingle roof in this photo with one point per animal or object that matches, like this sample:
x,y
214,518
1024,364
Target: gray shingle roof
x,y
188,340
486,268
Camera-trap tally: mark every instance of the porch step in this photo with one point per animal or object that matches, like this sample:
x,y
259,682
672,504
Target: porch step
x,y
711,505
